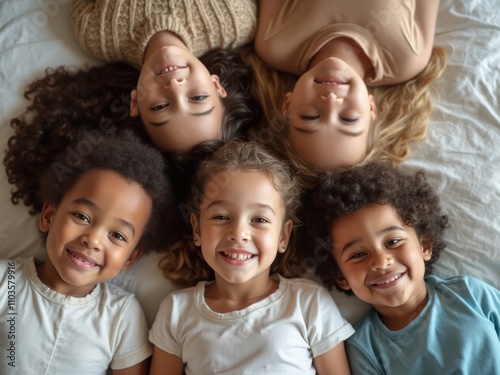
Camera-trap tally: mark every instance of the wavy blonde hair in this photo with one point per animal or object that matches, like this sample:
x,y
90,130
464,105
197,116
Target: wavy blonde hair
x,y
403,112
183,264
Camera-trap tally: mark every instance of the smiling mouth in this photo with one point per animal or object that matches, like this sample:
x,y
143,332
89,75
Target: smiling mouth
x,y
170,69
237,256
86,261
389,280
331,83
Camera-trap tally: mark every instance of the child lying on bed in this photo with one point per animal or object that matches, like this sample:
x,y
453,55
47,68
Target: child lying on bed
x,y
60,316
385,231
241,315
332,118
181,103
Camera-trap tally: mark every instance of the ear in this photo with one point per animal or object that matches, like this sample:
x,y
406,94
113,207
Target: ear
x,y
286,102
285,236
342,282
373,107
196,229
46,217
136,254
426,249
134,109
220,90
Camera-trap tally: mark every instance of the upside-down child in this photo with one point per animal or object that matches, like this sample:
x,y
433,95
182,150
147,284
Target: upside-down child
x,y
385,229
242,315
97,220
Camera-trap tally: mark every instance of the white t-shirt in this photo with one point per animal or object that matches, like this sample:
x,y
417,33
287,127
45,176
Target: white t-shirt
x,y
280,334
45,332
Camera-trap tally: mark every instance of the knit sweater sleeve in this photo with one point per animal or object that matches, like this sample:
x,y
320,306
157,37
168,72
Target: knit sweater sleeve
x,y
120,30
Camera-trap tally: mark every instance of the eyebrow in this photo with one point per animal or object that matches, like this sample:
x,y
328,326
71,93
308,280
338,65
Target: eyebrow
x,y
342,130
197,114
225,203
352,243
89,203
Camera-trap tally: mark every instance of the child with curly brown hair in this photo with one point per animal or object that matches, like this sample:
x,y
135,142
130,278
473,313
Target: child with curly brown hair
x,y
101,212
384,232
242,313
180,101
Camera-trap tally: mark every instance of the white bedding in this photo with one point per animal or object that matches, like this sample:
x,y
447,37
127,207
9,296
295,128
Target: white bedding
x,y
461,154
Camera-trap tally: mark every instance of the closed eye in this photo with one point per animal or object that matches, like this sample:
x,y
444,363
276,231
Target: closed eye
x,y
309,118
220,217
349,120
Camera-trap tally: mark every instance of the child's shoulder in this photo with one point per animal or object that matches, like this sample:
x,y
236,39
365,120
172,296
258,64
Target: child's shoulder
x,y
459,283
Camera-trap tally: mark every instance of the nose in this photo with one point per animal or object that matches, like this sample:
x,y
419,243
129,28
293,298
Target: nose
x,y
238,232
173,82
332,98
92,239
381,260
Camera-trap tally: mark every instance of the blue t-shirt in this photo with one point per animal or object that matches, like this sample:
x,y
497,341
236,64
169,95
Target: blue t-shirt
x,y
457,332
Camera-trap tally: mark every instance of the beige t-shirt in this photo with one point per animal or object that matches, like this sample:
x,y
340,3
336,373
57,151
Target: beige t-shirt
x,y
396,35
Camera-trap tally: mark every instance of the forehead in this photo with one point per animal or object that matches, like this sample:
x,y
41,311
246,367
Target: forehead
x,y
368,220
242,186
112,194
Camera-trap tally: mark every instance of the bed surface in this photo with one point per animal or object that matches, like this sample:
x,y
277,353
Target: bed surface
x,y
461,155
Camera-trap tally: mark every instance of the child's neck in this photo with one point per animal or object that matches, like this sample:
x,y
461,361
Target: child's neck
x,y
162,39
347,50
396,318
49,276
222,296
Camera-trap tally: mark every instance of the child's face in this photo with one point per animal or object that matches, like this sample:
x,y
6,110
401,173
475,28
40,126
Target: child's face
x,y
381,259
330,114
178,100
240,227
93,232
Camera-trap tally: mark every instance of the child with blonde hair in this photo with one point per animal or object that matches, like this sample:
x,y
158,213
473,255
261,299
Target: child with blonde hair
x,y
362,71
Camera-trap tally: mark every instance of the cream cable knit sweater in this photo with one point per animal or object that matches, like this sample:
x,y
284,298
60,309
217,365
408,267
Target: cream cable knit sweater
x,y
119,30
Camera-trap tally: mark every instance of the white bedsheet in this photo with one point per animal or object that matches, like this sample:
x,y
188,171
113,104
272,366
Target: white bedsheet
x,y
461,155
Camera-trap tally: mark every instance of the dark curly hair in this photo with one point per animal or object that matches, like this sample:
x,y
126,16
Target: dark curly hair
x,y
242,110
183,264
69,102
339,194
124,154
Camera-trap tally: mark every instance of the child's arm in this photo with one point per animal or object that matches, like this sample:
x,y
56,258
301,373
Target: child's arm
x,y
334,361
163,361
139,369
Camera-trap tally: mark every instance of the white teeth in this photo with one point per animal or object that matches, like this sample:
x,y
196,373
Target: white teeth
x,y
238,256
169,69
390,280
82,260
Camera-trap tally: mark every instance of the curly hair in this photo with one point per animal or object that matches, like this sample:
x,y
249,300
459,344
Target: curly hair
x,y
67,104
403,112
242,110
342,193
183,264
124,154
